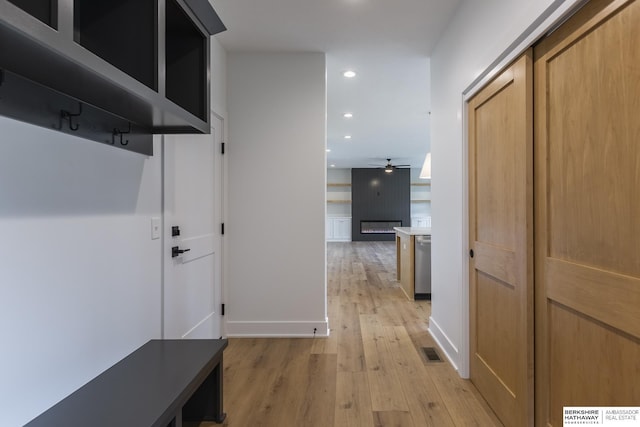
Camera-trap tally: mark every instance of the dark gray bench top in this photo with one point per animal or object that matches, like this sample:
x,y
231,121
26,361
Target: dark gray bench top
x,y
147,388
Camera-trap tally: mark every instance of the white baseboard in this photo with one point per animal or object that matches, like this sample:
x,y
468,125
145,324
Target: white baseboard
x,y
444,342
277,329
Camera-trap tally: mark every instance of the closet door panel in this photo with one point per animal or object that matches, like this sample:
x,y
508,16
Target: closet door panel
x,y
587,169
500,236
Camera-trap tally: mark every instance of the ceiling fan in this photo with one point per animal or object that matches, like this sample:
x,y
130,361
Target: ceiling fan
x,y
389,167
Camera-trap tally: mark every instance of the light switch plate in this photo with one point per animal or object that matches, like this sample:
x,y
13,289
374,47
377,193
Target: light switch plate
x,y
155,228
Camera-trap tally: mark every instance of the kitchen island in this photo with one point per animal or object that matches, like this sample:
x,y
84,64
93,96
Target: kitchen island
x,y
405,257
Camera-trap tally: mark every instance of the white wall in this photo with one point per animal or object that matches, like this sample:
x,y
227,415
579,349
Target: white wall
x,y
79,273
218,78
276,281
420,210
339,176
80,276
478,34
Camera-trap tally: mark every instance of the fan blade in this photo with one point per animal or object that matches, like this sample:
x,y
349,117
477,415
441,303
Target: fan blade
x,y
402,166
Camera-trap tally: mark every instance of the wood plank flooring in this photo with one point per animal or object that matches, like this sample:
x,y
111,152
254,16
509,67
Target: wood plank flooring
x,y
370,372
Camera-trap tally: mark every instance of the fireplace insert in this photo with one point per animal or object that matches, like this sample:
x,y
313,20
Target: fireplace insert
x,y
379,227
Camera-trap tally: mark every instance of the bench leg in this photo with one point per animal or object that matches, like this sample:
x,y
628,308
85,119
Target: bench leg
x,y
176,421
206,402
218,408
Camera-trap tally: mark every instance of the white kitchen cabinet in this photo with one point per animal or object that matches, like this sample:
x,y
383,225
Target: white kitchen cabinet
x,y
421,222
338,229
342,229
329,228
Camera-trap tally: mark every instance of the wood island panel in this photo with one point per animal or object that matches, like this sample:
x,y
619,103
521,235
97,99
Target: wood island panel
x,y
405,267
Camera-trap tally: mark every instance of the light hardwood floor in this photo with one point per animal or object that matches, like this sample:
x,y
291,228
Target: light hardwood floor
x,y
370,372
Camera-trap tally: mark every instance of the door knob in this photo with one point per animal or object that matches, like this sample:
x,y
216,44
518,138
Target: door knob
x,y
176,251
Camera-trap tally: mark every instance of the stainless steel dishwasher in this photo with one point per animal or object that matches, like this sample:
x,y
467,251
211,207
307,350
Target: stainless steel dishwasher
x,y
422,267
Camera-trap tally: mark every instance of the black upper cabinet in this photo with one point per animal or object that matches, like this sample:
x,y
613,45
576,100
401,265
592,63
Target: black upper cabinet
x,y
186,81
44,10
137,66
122,32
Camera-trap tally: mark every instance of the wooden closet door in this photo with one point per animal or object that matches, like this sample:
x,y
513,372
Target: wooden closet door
x,y
500,236
587,167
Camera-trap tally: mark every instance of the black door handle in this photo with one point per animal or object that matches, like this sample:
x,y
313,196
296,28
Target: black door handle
x,y
471,253
176,251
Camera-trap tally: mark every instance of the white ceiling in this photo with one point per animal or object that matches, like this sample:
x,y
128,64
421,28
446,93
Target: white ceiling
x,y
387,43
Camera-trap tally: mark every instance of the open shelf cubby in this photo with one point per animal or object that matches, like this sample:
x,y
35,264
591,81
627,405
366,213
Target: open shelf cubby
x,y
123,33
186,79
43,10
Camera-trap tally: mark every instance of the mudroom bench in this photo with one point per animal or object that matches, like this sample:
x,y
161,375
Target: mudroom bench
x,y
160,384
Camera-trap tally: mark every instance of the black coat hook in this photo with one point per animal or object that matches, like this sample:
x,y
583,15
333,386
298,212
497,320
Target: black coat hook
x,y
116,132
66,115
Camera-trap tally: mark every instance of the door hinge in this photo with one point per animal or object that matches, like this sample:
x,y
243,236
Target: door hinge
x,y
222,310
222,228
222,148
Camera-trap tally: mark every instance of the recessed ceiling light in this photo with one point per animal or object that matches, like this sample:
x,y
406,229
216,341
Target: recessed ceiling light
x,y
333,166
349,74
347,137
347,115
328,150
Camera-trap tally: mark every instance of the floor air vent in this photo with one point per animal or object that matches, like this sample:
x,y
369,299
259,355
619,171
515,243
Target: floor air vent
x,y
431,354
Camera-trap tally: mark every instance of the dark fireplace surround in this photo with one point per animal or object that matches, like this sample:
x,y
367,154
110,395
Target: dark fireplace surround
x,y
379,202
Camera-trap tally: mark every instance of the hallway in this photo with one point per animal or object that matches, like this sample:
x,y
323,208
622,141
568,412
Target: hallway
x,y
371,371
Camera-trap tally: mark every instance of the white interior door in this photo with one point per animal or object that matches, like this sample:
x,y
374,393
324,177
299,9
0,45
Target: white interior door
x,y
192,203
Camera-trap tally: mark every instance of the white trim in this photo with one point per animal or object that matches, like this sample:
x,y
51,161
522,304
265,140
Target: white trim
x,y
549,20
219,214
225,216
465,345
277,329
222,199
163,244
444,343
208,319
